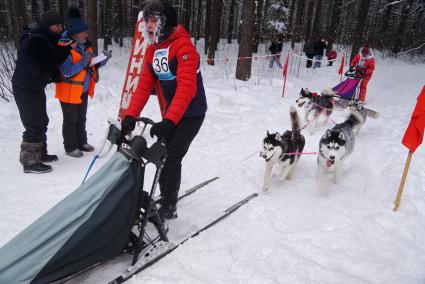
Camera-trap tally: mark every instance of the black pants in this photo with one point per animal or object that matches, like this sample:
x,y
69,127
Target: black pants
x,y
177,146
32,110
74,124
309,62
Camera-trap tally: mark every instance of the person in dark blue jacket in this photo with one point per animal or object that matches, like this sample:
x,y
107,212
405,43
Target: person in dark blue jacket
x,y
37,65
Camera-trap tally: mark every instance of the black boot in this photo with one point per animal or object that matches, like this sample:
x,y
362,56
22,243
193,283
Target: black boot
x,y
46,158
168,212
86,148
37,168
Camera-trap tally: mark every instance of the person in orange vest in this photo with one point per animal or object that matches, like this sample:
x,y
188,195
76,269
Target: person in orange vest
x,y
364,65
78,82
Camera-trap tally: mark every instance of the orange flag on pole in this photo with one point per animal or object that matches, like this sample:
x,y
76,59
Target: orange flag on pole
x,y
415,131
285,72
341,67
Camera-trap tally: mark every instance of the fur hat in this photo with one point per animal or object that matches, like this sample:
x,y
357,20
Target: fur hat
x,y
166,14
50,18
75,23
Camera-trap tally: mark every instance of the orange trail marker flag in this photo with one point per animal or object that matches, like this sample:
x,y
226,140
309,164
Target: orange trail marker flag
x,y
285,73
341,67
412,139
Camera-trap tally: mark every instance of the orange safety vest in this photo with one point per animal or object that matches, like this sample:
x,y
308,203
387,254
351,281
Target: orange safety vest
x,y
71,88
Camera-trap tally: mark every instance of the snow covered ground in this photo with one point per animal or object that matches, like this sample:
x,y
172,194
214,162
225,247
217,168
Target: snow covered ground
x,y
291,234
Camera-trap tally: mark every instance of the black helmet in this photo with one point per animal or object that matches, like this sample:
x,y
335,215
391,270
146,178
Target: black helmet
x,y
165,13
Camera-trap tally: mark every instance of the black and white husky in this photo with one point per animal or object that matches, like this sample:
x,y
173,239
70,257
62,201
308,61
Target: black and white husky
x,y
316,104
283,150
336,145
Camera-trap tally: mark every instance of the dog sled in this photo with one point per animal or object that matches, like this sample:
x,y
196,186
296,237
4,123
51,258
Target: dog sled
x,y
348,89
103,218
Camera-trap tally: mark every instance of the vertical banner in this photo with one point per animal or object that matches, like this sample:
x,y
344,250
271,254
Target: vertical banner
x,y
134,67
285,73
341,67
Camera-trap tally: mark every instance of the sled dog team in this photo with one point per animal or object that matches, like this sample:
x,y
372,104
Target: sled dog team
x,y
335,145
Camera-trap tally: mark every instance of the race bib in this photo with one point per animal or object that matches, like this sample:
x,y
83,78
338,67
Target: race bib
x,y
160,65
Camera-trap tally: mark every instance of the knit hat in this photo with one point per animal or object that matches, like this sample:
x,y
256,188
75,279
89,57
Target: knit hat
x,y
75,23
166,14
50,18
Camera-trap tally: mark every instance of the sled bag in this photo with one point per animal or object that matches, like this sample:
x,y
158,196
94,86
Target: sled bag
x,y
90,225
347,88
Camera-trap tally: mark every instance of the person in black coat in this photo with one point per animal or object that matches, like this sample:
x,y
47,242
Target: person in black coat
x,y
275,50
319,49
37,65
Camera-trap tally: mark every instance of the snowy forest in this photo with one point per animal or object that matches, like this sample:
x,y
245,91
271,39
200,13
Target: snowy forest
x,y
395,27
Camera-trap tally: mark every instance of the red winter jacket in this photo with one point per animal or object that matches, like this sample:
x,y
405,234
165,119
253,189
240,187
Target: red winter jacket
x,y
173,64
363,64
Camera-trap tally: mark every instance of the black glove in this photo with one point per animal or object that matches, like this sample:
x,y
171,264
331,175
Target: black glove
x,y
163,128
351,69
127,125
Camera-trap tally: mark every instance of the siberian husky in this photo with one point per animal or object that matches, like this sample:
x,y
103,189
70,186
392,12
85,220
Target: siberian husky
x,y
316,104
336,145
283,150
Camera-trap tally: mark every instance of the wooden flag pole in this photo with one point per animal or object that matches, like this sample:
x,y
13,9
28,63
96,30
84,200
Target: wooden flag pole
x,y
402,182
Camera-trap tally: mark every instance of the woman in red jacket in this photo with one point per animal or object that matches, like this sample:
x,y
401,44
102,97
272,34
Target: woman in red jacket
x,y
364,64
172,63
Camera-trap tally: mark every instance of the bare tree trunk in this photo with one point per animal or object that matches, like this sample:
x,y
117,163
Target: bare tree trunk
x,y
35,11
398,40
107,29
19,18
214,29
230,22
336,13
316,29
198,21
361,21
385,23
207,25
243,68
62,7
92,22
46,5
298,22
187,11
257,26
310,10
291,26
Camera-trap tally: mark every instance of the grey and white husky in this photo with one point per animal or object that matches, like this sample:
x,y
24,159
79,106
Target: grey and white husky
x,y
316,104
283,150
336,145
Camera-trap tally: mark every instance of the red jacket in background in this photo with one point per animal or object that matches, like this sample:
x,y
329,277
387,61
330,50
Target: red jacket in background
x,y
331,54
173,64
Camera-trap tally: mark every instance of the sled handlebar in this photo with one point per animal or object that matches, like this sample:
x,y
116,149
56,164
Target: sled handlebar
x,y
145,120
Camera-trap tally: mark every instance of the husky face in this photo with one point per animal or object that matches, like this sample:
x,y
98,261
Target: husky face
x,y
305,97
272,147
332,146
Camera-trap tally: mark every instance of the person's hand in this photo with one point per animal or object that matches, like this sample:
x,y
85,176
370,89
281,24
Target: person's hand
x,y
86,58
162,129
127,125
107,53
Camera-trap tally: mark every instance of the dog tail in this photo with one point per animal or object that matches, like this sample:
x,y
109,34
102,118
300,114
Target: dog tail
x,y
372,113
295,119
355,118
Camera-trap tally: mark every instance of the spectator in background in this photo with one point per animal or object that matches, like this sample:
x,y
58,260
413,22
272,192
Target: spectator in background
x,y
80,77
309,51
275,50
37,65
331,54
319,49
